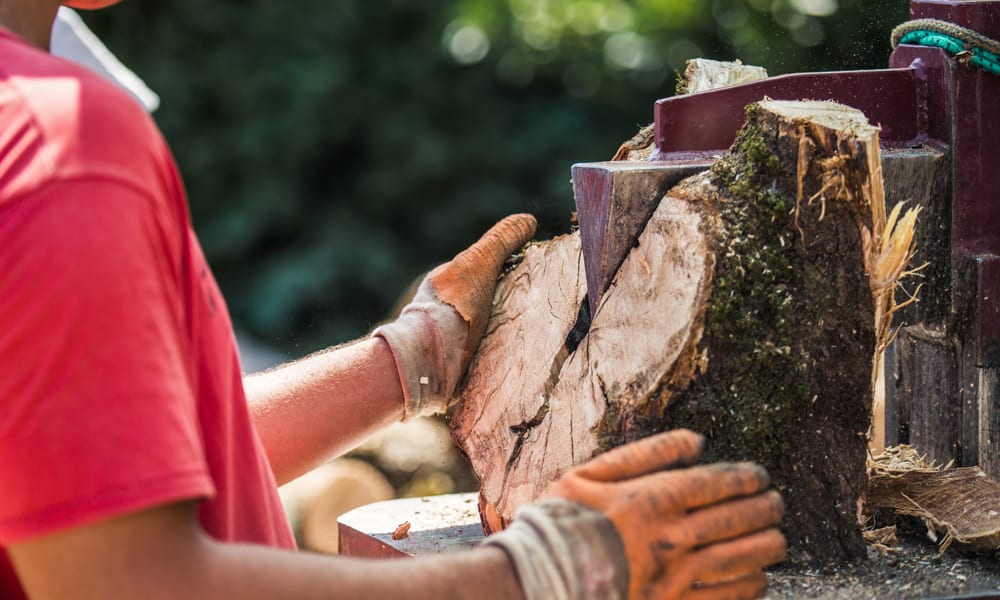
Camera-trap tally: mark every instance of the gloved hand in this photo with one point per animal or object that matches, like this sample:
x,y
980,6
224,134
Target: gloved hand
x,y
641,522
436,335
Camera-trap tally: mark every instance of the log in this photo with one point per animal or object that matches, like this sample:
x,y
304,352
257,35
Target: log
x,y
316,500
743,311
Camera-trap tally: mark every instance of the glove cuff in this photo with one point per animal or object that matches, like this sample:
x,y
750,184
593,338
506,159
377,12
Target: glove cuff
x,y
562,550
427,341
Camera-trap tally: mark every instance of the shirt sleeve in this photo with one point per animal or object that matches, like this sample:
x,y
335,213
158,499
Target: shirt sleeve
x,y
97,413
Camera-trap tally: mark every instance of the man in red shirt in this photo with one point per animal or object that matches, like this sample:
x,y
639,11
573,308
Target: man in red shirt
x,y
136,462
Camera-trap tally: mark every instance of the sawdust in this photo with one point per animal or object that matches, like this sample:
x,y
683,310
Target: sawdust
x,y
913,568
922,520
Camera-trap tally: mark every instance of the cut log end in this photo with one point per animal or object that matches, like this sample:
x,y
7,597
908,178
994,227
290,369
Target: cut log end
x,y
830,117
704,74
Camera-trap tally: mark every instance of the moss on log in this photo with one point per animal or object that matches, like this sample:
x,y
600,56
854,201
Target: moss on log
x,y
790,326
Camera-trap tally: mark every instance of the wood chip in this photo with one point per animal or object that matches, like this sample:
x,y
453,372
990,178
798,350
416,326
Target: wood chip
x,y
883,537
402,532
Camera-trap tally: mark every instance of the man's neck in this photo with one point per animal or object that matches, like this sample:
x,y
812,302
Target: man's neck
x,y
30,19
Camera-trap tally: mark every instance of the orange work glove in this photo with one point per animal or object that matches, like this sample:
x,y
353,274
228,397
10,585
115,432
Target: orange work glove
x,y
436,335
641,522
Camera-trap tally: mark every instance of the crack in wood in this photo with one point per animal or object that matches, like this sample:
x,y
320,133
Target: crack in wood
x,y
579,330
576,335
522,430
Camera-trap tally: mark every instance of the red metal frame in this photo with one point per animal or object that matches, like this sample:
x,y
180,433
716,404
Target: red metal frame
x,y
966,102
889,97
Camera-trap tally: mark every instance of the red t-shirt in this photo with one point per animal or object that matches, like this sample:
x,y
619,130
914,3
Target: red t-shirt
x,y
120,387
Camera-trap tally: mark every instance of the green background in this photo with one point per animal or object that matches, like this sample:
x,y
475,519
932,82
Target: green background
x,y
335,149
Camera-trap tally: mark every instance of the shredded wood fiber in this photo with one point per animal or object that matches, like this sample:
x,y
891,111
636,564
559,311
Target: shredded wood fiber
x,y
962,504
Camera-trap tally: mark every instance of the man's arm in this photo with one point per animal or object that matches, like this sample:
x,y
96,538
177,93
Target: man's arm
x,y
323,405
163,553
641,521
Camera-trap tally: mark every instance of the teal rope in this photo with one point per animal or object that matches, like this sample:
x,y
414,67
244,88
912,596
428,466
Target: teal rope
x,y
980,58
969,46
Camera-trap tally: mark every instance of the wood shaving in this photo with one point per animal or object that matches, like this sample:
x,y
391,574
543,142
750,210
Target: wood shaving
x,y
961,503
402,532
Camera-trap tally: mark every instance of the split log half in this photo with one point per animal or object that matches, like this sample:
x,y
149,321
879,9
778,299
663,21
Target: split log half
x,y
744,312
703,74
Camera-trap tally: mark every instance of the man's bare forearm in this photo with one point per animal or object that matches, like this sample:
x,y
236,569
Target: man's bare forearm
x,y
480,574
162,554
313,409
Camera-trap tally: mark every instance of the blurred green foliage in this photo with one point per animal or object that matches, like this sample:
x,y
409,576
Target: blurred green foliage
x,y
334,149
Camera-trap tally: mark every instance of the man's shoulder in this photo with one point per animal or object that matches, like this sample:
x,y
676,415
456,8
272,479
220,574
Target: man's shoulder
x,y
59,120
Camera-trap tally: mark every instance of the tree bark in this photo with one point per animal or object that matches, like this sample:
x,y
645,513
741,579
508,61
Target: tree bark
x,y
744,312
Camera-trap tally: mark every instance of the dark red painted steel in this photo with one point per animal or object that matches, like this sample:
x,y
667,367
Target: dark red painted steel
x,y
933,70
964,105
708,121
988,312
364,544
979,15
976,155
592,191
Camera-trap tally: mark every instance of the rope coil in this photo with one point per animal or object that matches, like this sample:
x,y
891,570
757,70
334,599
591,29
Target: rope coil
x,y
966,45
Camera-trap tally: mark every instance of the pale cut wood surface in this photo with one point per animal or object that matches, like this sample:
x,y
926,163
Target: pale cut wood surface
x,y
538,421
704,74
437,524
536,307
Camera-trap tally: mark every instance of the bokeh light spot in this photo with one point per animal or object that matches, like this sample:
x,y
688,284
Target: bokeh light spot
x,y
467,44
